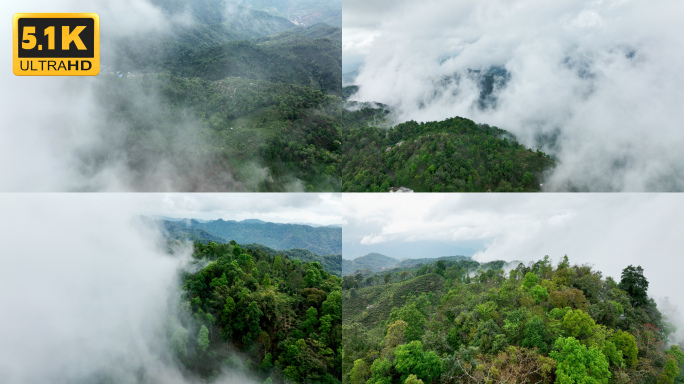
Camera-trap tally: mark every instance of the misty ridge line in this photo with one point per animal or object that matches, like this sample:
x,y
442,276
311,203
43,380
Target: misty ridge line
x,y
375,263
306,243
323,240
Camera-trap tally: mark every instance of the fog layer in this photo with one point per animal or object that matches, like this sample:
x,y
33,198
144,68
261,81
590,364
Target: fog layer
x,y
68,134
598,84
85,292
52,126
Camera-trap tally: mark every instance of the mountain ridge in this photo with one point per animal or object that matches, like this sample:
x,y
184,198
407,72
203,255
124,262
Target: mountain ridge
x,y
377,262
278,236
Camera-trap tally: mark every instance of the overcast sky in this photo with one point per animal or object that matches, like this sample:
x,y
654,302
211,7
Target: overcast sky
x,y
609,231
602,76
85,288
309,208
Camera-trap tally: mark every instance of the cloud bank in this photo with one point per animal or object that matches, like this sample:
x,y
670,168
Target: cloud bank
x,y
595,83
86,290
57,133
49,121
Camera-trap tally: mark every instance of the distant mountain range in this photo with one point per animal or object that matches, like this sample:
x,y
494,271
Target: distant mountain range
x,y
320,240
375,262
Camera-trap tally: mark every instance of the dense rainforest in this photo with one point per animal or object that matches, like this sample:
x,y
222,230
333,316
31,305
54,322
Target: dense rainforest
x,y
466,322
247,309
453,155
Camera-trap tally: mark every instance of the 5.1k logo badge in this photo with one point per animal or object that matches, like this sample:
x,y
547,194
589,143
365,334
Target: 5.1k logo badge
x,y
56,44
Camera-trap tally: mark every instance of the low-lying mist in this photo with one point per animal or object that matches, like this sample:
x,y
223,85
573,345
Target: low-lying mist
x,y
597,84
128,129
86,290
53,136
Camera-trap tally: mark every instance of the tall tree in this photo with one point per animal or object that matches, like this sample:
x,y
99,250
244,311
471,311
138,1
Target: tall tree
x,y
635,284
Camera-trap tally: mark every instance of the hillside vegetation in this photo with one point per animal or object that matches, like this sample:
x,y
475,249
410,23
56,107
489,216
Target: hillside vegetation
x,y
307,57
241,99
454,155
282,315
300,242
331,263
466,322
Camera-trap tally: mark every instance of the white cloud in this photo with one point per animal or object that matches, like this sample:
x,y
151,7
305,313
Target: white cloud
x,y
604,76
48,122
85,287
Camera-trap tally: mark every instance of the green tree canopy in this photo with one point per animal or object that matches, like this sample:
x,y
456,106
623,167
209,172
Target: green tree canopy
x,y
635,284
411,359
579,365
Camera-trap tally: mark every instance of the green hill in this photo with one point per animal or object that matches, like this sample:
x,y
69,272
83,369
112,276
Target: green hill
x,y
371,306
282,316
182,233
454,155
464,322
409,263
374,262
239,99
232,134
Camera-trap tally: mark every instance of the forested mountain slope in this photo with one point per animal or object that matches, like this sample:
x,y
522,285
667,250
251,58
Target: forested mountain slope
x,y
454,155
238,99
307,57
331,263
208,25
299,12
283,316
463,322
